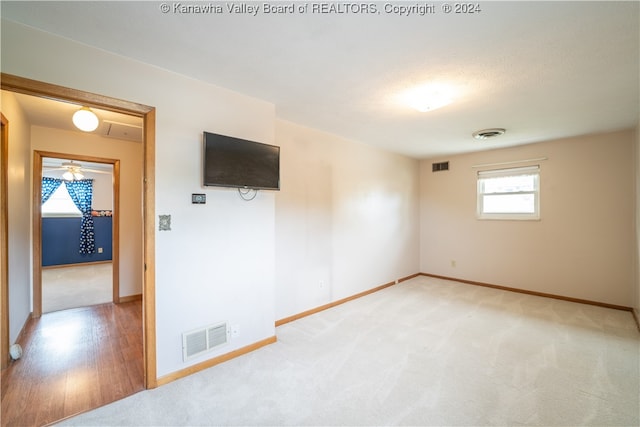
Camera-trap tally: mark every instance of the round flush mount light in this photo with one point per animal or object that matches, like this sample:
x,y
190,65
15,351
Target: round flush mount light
x,y
85,119
428,97
485,134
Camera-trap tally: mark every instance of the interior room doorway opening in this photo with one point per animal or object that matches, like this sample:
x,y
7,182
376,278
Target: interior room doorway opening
x,y
55,294
26,86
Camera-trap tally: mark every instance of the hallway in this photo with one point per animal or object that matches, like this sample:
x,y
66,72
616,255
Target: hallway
x,y
74,360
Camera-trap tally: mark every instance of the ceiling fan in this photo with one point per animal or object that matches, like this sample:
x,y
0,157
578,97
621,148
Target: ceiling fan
x,y
74,171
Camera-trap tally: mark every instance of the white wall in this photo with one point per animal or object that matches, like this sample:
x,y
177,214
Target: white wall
x,y
130,155
217,262
19,201
346,218
103,193
583,245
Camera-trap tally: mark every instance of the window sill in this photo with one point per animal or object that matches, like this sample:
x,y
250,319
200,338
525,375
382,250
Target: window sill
x,y
61,215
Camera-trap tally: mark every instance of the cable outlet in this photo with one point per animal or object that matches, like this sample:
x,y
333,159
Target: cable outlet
x,y
235,331
453,263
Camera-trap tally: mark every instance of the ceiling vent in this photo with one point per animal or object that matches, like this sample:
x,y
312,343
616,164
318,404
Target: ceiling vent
x,y
488,133
438,167
121,131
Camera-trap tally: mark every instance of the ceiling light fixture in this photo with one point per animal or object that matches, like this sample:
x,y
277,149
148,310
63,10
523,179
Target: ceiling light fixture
x,y
488,133
72,176
85,119
428,97
73,172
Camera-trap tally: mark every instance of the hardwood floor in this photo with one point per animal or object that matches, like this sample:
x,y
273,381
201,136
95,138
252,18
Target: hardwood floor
x,y
74,360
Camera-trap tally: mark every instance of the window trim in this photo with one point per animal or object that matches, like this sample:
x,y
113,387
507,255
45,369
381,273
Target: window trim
x,y
498,173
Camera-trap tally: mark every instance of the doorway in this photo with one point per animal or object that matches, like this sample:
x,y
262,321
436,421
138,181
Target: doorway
x,y
40,89
71,279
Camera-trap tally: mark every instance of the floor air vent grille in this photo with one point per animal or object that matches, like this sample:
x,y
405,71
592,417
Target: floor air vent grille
x,y
202,340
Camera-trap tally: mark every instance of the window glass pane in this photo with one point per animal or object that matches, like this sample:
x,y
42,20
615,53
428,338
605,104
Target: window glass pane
x,y
509,203
508,184
60,203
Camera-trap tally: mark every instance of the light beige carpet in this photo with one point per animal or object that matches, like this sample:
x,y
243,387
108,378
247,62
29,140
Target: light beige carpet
x,y
425,352
76,286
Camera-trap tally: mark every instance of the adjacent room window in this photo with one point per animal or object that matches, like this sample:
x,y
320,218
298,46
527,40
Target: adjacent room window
x,y
509,193
60,204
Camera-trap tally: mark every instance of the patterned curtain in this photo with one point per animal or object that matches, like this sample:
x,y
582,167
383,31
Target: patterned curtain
x,y
81,192
49,186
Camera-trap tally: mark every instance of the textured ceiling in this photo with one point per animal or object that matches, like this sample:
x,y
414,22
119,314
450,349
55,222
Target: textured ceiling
x,y
55,114
542,70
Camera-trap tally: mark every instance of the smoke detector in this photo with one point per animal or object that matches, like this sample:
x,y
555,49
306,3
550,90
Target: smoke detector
x,y
488,133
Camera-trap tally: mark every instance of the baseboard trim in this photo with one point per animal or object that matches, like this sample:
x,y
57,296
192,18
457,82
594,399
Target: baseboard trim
x,y
535,293
76,264
634,312
130,298
340,301
21,335
20,338
215,361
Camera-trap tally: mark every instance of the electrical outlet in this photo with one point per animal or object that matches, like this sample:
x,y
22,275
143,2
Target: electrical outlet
x,y
321,284
453,263
99,250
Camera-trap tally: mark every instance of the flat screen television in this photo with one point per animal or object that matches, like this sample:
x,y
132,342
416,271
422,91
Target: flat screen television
x,y
239,163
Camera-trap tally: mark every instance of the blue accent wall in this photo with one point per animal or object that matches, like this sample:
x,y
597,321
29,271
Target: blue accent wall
x,y
61,240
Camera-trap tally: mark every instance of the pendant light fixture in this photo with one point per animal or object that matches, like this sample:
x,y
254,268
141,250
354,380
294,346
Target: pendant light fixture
x,y
85,119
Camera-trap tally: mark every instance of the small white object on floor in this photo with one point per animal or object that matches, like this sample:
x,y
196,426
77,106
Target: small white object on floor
x,y
15,351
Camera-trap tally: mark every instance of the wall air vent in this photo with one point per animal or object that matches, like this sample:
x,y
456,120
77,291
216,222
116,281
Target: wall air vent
x,y
438,167
202,340
488,133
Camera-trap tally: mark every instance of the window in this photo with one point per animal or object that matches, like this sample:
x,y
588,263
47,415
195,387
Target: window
x,y
60,204
509,193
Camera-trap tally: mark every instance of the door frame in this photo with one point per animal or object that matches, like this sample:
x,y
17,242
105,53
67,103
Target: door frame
x,y
37,222
148,114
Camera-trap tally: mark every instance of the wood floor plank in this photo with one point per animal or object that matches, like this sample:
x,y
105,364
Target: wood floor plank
x,y
74,360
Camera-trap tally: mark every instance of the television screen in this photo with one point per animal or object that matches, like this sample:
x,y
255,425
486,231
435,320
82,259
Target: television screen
x,y
235,162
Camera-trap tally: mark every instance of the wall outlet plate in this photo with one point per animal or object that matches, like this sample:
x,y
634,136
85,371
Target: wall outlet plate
x,y
198,199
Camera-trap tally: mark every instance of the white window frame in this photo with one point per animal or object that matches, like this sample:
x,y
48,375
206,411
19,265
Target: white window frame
x,y
483,176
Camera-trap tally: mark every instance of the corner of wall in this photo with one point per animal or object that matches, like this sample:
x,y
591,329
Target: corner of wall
x,y
636,300
19,214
